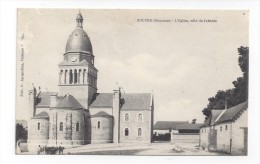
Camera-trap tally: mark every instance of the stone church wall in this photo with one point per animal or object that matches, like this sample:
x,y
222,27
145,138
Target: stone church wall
x,y
101,132
67,136
133,125
37,136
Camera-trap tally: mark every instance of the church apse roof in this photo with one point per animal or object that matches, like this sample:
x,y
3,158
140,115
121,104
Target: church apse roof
x,y
69,102
101,114
41,115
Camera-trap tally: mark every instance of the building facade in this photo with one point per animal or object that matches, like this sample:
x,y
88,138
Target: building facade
x,y
78,115
177,131
226,130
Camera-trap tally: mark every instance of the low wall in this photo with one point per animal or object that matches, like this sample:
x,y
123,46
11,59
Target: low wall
x,y
185,138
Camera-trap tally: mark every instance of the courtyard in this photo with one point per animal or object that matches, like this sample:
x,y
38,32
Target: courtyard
x,y
159,148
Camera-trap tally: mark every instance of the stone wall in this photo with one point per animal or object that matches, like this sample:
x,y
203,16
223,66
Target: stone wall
x,y
68,135
104,133
133,125
185,138
37,136
223,137
238,135
204,137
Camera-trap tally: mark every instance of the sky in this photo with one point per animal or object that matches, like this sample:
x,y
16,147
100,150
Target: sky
x,y
183,64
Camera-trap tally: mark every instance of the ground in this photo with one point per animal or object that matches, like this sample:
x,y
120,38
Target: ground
x,y
162,148
159,148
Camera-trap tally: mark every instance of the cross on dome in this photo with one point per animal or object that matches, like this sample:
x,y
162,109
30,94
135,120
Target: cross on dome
x,y
79,20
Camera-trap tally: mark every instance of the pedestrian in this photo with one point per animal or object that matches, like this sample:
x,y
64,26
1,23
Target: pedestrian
x,y
60,149
39,149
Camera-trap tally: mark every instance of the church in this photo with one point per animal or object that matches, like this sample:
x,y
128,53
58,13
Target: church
x,y
78,114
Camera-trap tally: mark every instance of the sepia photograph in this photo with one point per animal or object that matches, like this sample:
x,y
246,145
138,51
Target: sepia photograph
x,y
136,82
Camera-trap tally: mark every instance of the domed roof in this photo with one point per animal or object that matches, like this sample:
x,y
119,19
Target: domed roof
x,y
78,40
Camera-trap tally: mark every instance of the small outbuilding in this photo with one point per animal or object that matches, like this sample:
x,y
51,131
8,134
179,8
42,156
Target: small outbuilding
x,y
226,130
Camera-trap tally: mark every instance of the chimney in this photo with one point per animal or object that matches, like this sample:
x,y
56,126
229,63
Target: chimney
x,y
32,101
53,101
226,105
116,108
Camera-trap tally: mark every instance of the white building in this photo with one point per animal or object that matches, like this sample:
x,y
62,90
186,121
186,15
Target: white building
x,y
226,130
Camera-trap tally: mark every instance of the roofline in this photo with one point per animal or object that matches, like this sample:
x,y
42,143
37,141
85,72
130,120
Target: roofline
x,y
84,52
67,108
40,117
232,119
100,106
42,106
101,116
134,109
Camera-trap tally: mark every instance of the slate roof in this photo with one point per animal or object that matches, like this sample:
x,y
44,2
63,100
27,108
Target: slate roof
x,y
188,126
102,100
166,125
136,100
227,115
101,114
69,102
232,112
131,101
41,115
212,118
43,99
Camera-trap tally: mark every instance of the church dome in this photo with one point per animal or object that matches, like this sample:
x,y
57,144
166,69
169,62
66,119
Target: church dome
x,y
78,40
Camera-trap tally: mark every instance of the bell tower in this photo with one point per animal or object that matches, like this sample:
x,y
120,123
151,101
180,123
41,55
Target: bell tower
x,y
77,73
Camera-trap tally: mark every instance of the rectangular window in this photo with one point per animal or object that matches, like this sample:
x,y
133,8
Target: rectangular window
x,y
220,128
226,127
126,132
39,126
61,126
139,132
77,127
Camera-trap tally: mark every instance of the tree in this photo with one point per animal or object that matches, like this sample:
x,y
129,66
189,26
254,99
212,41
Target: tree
x,y
194,121
236,95
21,132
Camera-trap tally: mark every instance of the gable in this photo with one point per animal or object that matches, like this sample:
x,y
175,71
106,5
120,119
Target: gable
x,y
69,102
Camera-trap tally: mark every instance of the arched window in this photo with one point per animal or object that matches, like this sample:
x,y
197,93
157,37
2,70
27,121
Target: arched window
x,y
84,76
75,77
140,117
77,127
126,117
61,75
126,132
61,126
39,126
98,124
65,76
79,77
139,132
71,77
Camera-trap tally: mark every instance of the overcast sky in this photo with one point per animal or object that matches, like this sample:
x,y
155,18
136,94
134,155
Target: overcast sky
x,y
182,63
